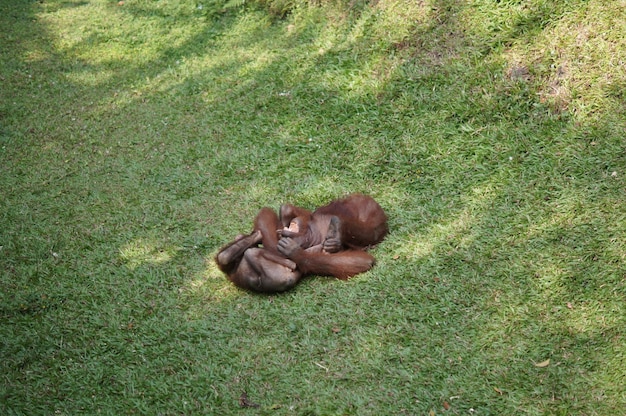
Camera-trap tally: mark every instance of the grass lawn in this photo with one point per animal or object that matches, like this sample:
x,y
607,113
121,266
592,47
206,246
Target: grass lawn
x,y
136,138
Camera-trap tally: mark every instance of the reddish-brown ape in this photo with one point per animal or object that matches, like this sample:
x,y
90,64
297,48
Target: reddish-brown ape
x,y
329,241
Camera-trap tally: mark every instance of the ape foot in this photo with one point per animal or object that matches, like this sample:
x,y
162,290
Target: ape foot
x,y
258,236
332,243
234,251
288,247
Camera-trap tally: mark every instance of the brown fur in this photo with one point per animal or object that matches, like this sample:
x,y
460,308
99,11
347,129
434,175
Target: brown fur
x,y
331,241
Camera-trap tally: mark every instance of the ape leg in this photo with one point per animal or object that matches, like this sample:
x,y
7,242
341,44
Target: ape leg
x,y
259,269
332,243
265,225
268,224
264,271
230,256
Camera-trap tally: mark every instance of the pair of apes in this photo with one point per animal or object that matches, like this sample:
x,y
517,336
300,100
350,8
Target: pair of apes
x,y
331,241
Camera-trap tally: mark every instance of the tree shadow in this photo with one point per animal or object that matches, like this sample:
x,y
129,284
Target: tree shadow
x,y
487,232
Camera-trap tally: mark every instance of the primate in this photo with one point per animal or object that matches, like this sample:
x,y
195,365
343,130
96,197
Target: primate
x,y
331,241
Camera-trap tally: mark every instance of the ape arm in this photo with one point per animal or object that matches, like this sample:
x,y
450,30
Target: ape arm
x,y
341,265
288,212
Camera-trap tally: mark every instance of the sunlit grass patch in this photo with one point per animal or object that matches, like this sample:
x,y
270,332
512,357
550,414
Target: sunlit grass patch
x,y
139,137
579,59
136,253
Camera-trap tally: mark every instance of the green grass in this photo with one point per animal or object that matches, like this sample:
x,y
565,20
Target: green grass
x,y
137,139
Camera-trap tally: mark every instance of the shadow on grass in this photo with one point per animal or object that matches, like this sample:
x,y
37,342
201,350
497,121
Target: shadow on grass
x,y
502,252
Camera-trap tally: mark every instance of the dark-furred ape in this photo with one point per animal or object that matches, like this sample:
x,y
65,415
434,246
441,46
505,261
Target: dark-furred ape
x,y
330,241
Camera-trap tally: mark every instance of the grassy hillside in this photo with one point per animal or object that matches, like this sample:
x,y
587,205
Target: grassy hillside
x,y
138,137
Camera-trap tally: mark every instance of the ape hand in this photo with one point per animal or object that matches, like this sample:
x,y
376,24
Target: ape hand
x,y
288,246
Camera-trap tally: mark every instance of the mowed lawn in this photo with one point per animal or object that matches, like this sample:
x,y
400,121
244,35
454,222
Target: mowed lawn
x,y
137,138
